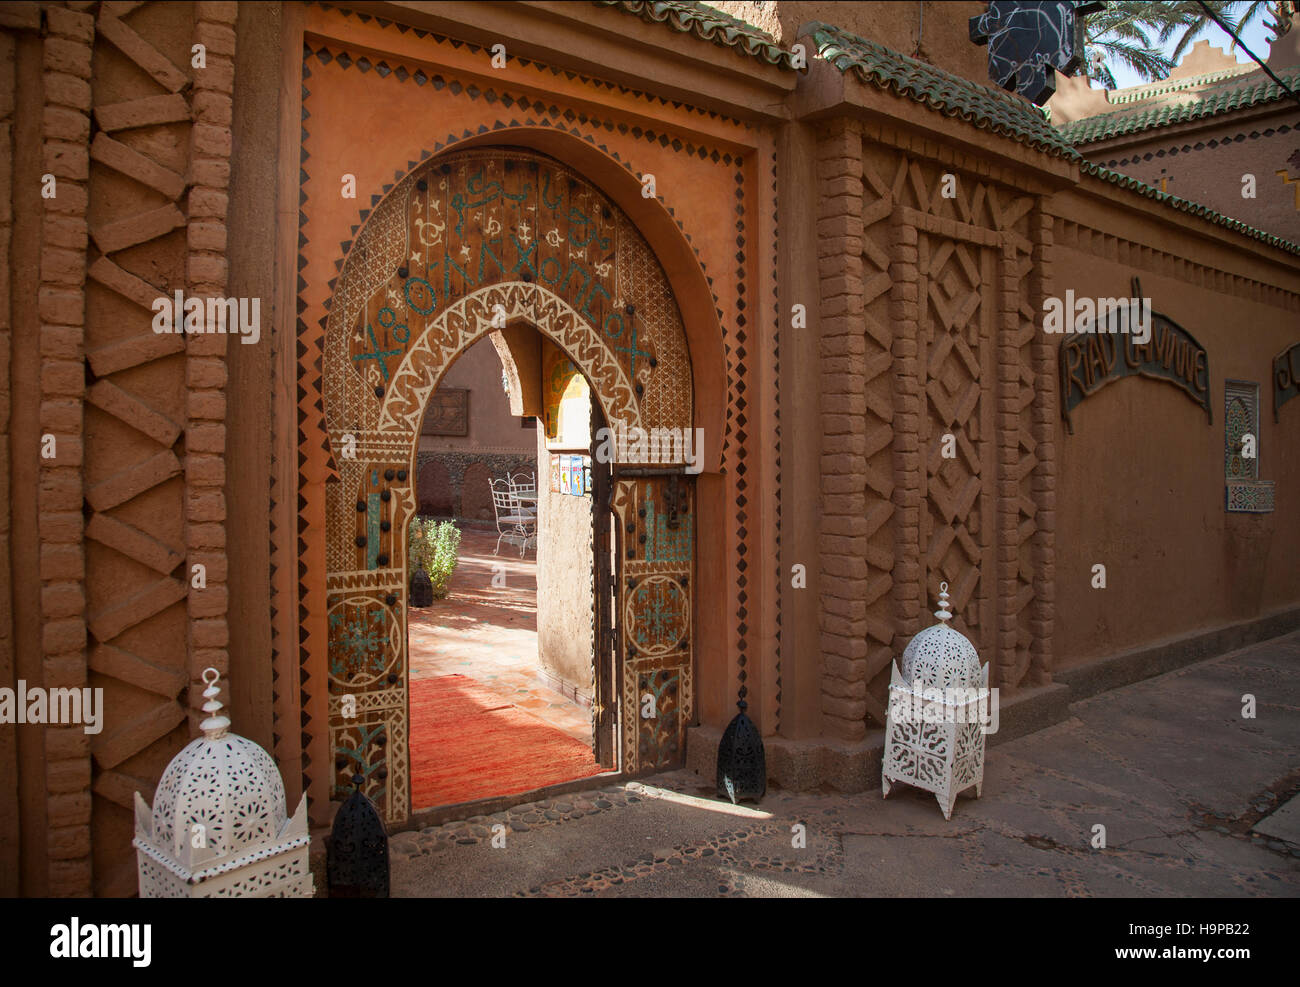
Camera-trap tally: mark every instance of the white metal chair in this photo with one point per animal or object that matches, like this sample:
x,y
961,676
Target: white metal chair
x,y
524,487
512,524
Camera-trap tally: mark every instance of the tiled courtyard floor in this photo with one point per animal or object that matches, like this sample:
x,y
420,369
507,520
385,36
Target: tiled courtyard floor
x,y
490,632
1168,766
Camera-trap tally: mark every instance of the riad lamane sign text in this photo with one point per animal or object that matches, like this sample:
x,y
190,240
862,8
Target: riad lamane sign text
x,y
1092,358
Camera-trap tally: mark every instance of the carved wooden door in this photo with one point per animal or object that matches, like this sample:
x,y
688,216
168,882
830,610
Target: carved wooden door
x,y
654,514
605,650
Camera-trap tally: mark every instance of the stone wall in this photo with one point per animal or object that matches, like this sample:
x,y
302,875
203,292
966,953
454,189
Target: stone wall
x,y
455,484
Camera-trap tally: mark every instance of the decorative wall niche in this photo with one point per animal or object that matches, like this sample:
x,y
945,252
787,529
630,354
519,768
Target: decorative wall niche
x,y
1245,492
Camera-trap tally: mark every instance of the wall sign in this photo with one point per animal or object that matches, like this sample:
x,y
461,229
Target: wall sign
x,y
1091,360
448,412
571,475
1286,377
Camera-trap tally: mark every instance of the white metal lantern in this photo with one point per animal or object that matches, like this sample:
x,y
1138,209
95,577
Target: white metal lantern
x,y
219,826
934,728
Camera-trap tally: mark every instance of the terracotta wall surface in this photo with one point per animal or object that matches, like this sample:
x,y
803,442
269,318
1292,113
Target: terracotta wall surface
x,y
250,406
10,865
824,443
492,427
564,581
931,327
1204,160
123,551
714,246
927,331
22,389
1140,486
936,32
1256,143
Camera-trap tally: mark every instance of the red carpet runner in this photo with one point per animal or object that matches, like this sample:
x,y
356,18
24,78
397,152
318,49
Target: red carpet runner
x,y
469,743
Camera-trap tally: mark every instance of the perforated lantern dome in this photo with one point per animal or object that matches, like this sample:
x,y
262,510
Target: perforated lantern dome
x,y
219,825
940,657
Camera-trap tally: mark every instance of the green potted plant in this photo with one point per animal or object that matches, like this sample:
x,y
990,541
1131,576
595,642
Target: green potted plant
x,y
443,542
433,548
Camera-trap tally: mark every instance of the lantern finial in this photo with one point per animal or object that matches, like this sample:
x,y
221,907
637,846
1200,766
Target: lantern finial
x,y
943,613
216,725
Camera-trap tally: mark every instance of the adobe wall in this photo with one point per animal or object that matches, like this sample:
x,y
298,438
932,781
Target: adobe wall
x,y
254,188
926,322
935,32
492,426
452,470
10,826
109,529
1207,165
565,581
824,443
709,226
1140,484
930,324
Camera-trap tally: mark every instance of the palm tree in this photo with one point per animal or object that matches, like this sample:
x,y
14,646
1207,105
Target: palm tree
x,y
1134,32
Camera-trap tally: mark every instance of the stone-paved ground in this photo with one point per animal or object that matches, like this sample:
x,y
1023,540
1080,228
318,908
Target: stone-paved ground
x,y
1168,766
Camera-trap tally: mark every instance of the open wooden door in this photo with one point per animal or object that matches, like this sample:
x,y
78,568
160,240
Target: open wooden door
x,y
604,713
654,519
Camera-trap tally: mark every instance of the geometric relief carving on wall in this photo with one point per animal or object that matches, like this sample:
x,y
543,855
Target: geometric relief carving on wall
x,y
1020,389
872,383
978,518
956,353
135,502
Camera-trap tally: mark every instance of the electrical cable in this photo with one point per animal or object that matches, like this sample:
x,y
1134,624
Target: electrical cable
x,y
1227,30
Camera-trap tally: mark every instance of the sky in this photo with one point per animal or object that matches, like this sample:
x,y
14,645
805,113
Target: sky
x,y
1255,36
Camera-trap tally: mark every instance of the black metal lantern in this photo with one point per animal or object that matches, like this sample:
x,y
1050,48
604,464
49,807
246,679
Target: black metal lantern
x,y
742,763
357,859
421,589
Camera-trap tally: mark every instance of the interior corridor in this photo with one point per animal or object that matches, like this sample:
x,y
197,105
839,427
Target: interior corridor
x,y
482,722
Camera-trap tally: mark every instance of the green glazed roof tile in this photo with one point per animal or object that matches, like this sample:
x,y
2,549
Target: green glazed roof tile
x,y
985,107
1186,205
874,64
1162,87
709,25
1215,101
993,110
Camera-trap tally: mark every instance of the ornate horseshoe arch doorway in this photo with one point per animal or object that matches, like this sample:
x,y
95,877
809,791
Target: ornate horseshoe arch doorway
x,y
471,241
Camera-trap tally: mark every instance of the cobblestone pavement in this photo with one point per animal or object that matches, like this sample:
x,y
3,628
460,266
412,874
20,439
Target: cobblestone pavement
x,y
1168,766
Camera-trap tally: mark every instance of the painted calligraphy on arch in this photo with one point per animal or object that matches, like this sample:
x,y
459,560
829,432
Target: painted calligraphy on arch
x,y
493,216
